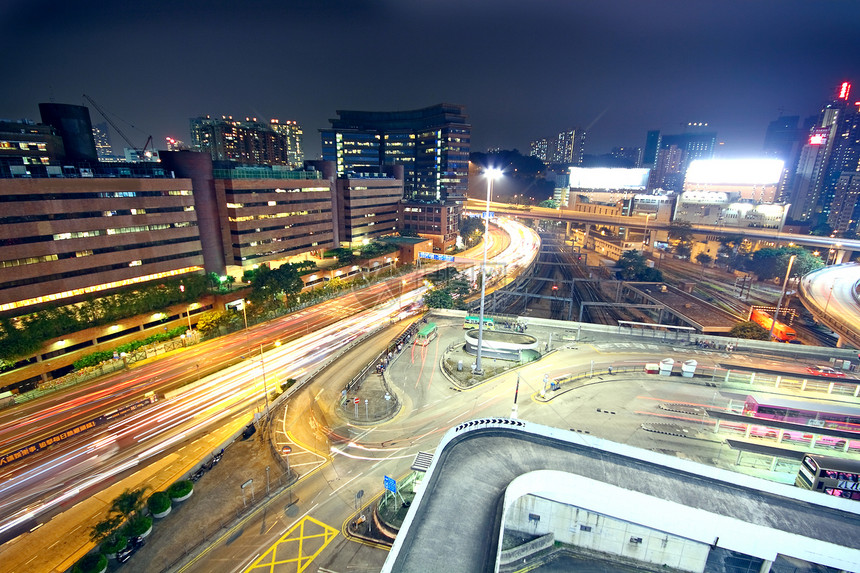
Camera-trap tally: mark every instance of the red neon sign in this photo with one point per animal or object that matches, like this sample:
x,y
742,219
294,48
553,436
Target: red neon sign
x,y
816,139
844,89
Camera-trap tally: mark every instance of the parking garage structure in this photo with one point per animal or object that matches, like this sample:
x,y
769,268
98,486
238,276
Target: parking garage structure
x,y
609,502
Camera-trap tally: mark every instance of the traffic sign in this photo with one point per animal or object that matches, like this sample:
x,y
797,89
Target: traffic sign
x,y
356,401
390,484
435,256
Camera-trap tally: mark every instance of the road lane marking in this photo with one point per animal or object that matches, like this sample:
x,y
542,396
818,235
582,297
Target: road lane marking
x,y
297,547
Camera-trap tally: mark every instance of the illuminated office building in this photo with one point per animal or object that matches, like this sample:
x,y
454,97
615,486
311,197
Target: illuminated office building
x,y
432,146
845,207
64,238
28,148
368,208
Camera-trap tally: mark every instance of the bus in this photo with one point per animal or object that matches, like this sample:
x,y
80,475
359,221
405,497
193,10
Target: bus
x,y
427,334
833,476
781,332
472,322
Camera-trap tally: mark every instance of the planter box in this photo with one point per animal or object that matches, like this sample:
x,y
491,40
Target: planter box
x,y
183,498
164,513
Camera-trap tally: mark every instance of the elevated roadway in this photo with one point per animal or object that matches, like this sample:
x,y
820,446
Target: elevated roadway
x,y
844,247
831,295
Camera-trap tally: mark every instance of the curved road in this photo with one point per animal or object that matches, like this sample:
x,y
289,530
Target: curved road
x,y
830,294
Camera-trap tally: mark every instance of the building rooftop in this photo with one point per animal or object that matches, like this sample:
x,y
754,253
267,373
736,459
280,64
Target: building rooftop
x,y
457,517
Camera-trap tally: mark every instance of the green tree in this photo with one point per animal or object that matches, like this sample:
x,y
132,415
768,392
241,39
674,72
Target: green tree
x,y
704,259
549,204
129,503
683,250
771,263
459,287
336,284
632,265
734,249
269,285
651,275
209,321
107,531
438,298
681,231
471,229
749,330
344,256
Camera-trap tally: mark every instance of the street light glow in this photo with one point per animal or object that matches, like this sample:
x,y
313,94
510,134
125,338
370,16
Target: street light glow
x,y
493,172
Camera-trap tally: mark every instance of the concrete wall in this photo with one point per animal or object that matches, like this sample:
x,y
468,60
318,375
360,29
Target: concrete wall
x,y
598,533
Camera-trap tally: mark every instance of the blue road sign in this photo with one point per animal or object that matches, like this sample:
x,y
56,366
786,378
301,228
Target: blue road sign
x,y
390,484
435,256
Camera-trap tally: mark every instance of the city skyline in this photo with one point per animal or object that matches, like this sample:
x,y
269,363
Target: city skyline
x,y
523,73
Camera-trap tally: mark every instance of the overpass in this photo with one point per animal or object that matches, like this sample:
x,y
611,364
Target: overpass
x,y
831,295
844,247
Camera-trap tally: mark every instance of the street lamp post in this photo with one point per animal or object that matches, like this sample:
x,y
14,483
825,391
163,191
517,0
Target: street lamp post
x,y
830,294
263,369
645,236
782,294
265,387
491,174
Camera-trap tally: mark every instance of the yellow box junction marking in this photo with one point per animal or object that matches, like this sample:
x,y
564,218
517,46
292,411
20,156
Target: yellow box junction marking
x,y
296,549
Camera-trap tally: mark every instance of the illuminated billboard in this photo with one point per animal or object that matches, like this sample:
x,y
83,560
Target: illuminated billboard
x,y
608,178
734,172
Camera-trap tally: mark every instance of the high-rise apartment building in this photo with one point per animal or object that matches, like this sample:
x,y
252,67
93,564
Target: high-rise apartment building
x,y
652,148
570,147
101,137
675,153
248,141
832,148
540,149
630,155
845,207
784,140
292,133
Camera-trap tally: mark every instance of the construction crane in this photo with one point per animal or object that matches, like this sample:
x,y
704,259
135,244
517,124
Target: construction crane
x,y
141,152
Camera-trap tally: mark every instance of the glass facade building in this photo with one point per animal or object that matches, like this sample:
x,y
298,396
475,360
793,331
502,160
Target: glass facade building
x,y
432,145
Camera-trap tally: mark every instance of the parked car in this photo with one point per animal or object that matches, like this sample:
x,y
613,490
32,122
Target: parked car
x,y
825,371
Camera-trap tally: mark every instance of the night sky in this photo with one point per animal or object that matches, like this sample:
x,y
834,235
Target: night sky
x,y
523,69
